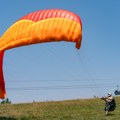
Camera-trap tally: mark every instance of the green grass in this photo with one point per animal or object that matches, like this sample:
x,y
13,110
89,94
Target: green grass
x,y
87,109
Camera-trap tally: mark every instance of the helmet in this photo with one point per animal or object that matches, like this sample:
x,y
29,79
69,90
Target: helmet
x,y
109,94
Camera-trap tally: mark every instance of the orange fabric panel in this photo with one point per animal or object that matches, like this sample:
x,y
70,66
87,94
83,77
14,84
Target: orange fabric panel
x,y
26,32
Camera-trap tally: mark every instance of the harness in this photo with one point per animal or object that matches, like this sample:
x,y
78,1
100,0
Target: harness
x,y
110,106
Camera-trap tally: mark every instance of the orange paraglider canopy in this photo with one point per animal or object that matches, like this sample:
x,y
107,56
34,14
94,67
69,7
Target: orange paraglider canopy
x,y
51,25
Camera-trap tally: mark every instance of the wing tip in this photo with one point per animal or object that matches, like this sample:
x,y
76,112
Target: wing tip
x,y
2,84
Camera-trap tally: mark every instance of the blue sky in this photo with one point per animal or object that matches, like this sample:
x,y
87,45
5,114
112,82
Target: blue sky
x,y
58,71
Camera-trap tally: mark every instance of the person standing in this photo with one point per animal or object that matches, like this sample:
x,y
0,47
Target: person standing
x,y
110,103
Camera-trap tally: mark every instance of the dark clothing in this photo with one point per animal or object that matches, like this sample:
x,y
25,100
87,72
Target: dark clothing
x,y
110,106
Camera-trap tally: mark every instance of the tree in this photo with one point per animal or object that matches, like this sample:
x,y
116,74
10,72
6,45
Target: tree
x,y
6,101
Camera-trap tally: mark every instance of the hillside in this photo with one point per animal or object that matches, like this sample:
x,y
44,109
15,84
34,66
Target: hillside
x,y
84,109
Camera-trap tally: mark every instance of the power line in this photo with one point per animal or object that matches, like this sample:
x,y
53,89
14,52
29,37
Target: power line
x,y
38,80
62,87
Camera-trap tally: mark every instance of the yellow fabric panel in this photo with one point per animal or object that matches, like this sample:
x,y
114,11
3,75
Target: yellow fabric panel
x,y
26,32
14,33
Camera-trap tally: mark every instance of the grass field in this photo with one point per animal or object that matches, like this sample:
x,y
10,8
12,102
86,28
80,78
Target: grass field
x,y
84,109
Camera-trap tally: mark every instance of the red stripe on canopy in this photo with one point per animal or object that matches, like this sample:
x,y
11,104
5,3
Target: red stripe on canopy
x,y
52,13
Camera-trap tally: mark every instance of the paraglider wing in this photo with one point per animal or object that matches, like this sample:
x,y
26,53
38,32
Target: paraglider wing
x,y
52,25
